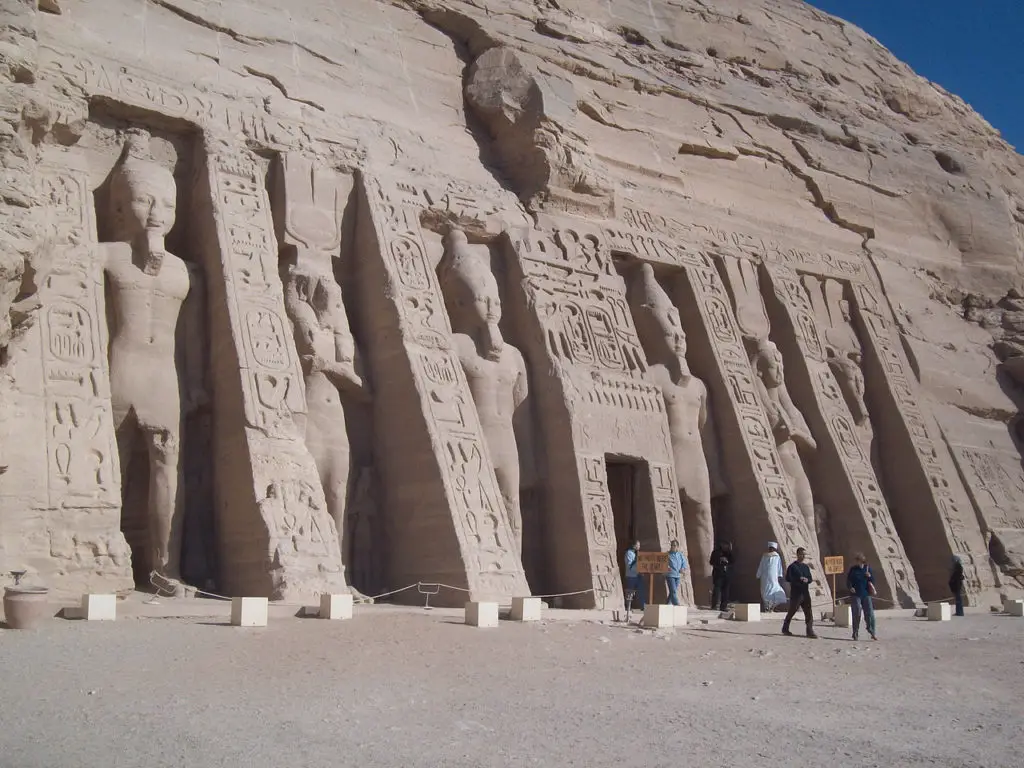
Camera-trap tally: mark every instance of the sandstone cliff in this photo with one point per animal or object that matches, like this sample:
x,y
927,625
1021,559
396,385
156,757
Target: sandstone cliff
x,y
775,165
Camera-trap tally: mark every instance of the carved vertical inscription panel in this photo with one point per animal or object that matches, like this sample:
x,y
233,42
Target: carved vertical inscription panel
x,y
850,477
940,496
302,552
474,512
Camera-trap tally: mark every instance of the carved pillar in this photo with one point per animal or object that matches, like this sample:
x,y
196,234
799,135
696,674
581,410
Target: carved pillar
x,y
931,509
70,532
594,402
763,503
846,481
445,518
275,535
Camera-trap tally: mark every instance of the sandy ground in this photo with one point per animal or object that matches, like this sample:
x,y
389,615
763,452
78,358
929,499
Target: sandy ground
x,y
404,687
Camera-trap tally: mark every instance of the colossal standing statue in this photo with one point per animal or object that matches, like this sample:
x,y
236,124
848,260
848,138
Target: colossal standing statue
x,y
789,429
686,407
495,370
308,214
148,291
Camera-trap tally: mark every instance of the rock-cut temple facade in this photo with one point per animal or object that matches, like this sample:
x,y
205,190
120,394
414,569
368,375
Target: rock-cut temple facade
x,y
316,296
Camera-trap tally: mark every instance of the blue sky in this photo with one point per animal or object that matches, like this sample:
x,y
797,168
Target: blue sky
x,y
969,47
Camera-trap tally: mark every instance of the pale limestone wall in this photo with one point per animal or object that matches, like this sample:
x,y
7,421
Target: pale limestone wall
x,y
769,161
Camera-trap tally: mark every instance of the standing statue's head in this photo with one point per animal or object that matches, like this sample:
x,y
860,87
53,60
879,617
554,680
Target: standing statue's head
x,y
768,363
656,315
471,291
143,195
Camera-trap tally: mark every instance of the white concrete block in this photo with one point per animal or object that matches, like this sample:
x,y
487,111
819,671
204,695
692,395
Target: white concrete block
x,y
680,615
843,615
335,607
526,608
482,614
249,611
659,616
1014,607
940,612
98,608
746,612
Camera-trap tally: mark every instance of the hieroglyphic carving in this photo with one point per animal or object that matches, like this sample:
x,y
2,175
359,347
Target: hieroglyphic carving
x,y
946,498
247,117
269,365
82,454
853,468
304,552
471,489
580,301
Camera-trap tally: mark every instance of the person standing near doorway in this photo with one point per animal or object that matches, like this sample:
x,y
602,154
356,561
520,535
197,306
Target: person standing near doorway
x,y
769,572
676,566
956,584
799,577
634,581
861,583
721,573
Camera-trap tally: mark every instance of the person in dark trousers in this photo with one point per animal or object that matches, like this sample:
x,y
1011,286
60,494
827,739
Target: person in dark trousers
x,y
721,572
956,584
799,577
861,583
634,579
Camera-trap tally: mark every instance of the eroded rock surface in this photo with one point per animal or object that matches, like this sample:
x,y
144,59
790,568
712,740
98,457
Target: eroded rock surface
x,y
775,173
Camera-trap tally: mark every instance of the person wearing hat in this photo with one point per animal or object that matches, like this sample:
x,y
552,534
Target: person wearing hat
x,y
799,577
770,574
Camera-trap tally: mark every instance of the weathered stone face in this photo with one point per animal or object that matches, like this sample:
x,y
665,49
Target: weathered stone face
x,y
721,272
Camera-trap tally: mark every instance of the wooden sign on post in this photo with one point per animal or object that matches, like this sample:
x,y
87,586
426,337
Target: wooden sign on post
x,y
652,563
833,565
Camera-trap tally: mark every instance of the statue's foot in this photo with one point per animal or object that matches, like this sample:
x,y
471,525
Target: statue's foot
x,y
359,597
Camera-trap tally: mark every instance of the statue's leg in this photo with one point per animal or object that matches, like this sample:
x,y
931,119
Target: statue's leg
x,y
164,501
699,541
507,474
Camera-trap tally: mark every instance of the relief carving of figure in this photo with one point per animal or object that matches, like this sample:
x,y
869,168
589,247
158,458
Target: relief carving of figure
x,y
686,406
307,208
149,291
313,301
495,370
789,429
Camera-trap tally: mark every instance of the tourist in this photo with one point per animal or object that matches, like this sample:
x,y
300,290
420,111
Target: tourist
x,y
721,572
770,574
956,584
634,581
676,566
799,577
861,583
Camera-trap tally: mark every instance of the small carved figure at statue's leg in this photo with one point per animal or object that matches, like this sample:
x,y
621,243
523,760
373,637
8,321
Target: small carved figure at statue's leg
x,y
165,522
507,474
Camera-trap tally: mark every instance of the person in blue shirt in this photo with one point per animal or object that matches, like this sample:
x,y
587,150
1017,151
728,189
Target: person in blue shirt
x,y
634,581
861,583
676,566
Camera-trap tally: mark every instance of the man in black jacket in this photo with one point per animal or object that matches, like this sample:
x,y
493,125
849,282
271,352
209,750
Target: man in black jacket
x,y
799,577
721,573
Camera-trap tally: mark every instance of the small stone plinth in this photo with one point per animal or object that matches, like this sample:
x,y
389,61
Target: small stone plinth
x,y
526,608
249,611
658,616
940,612
842,615
98,608
680,615
1014,607
335,607
746,612
482,614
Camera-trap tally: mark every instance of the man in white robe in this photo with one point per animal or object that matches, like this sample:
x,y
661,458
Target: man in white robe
x,y
770,574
